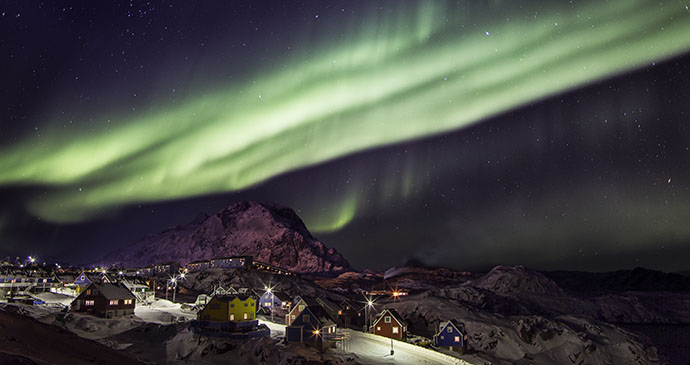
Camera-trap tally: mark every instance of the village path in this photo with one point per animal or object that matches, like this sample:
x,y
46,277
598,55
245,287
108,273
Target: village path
x,y
373,349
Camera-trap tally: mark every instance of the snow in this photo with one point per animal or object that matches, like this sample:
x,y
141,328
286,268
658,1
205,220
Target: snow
x,y
163,311
373,349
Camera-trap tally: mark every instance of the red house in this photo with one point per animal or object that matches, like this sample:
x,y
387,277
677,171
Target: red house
x,y
389,324
105,300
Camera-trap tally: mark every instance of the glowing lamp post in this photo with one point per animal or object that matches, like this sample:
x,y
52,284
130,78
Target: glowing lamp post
x,y
269,290
367,309
174,282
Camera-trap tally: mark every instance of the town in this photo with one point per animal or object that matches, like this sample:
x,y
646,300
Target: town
x,y
274,306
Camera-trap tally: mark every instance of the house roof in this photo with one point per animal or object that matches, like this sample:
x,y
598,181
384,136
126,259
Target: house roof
x,y
110,291
281,296
231,257
114,291
231,297
460,327
393,314
310,301
333,307
320,314
198,262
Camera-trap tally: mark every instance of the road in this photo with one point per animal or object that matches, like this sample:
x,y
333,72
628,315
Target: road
x,y
373,349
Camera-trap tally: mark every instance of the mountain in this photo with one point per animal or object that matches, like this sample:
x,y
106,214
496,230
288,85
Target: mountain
x,y
639,279
507,280
271,233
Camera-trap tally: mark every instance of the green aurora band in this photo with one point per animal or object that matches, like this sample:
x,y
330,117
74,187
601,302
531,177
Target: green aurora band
x,y
420,71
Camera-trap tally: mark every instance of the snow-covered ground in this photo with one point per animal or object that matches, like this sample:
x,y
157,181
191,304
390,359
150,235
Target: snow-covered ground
x,y
117,333
164,312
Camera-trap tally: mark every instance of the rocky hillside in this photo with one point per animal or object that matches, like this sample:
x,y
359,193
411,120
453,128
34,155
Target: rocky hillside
x,y
271,233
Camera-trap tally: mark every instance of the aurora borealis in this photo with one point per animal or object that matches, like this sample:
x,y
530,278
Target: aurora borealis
x,y
329,107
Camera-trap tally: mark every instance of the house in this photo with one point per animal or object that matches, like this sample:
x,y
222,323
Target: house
x,y
451,335
332,308
229,307
389,324
312,326
199,265
221,291
300,303
276,300
140,288
231,262
167,268
82,281
105,300
350,314
262,266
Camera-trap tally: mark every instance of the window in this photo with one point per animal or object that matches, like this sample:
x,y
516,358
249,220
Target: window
x,y
396,329
442,337
378,328
293,316
457,339
268,304
245,304
246,315
128,301
88,292
387,319
232,317
88,303
450,329
113,302
232,305
301,307
306,318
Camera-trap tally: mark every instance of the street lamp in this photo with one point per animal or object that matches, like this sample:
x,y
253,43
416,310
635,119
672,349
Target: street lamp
x,y
269,290
174,282
367,309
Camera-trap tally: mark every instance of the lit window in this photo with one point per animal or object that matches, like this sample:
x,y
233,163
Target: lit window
x,y
246,315
457,339
88,303
128,301
113,302
88,292
378,328
387,319
293,316
395,329
301,307
232,317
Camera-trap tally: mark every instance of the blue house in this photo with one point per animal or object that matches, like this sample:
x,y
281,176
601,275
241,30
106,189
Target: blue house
x,y
312,326
451,335
276,300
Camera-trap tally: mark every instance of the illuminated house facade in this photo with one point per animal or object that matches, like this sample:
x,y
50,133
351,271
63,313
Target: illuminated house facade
x,y
229,307
389,324
105,300
451,335
313,326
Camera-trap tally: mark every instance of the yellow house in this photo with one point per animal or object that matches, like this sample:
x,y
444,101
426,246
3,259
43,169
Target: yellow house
x,y
229,307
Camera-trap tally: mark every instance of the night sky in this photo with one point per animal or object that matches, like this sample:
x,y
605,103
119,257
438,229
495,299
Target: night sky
x,y
463,134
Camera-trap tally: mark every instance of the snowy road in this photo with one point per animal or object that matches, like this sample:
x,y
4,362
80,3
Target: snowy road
x,y
373,349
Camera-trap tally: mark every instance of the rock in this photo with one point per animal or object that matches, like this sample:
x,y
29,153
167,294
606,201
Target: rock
x,y
271,233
